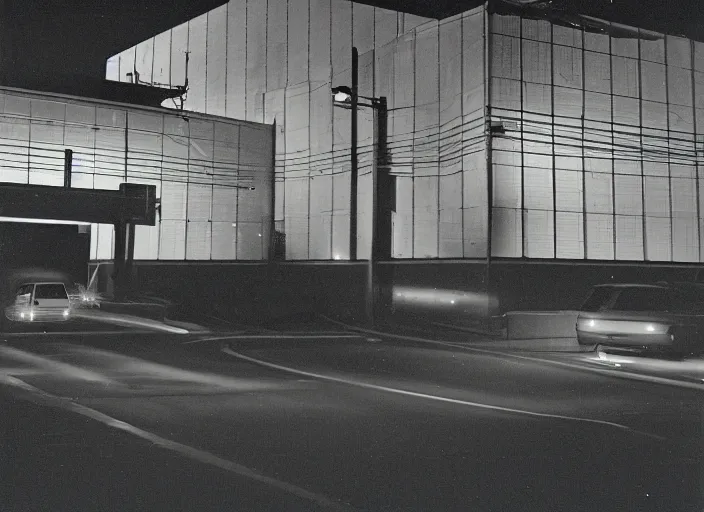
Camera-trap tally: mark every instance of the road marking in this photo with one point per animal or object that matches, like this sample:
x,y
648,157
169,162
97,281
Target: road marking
x,y
136,367
52,365
651,379
70,333
184,450
415,394
275,337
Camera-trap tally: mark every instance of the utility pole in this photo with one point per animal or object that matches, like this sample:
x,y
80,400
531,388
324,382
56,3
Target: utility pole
x,y
348,97
68,165
353,155
378,222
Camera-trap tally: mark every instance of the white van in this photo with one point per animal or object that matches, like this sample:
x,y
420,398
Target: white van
x,y
40,302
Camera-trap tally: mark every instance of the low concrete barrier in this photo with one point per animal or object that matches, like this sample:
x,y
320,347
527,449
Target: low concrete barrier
x,y
522,325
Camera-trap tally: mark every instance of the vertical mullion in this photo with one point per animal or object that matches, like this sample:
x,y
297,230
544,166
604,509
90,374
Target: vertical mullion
x,y
188,186
212,196
488,38
237,192
696,153
151,81
462,128
283,173
439,221
585,245
522,120
613,149
205,103
413,165
642,153
227,35
669,172
552,113
246,51
161,182
171,60
310,101
332,143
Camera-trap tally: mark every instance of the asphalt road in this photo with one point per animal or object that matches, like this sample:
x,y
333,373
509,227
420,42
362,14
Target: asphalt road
x,y
265,421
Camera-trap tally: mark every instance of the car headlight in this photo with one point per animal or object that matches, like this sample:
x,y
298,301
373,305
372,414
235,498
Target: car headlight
x,y
65,313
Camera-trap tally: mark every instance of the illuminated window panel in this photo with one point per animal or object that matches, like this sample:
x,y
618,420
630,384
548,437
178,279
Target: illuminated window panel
x,y
629,237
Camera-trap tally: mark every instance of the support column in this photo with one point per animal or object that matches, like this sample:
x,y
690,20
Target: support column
x,y
123,259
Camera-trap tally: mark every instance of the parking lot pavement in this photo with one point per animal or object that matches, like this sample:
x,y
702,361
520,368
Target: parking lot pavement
x,y
378,423
55,460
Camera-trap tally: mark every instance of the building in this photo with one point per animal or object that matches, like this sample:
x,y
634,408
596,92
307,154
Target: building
x,y
532,156
222,166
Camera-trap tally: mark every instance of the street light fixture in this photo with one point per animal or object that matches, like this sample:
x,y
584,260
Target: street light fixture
x,y
342,94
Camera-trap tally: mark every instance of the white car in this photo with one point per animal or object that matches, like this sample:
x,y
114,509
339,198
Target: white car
x,y
40,302
661,317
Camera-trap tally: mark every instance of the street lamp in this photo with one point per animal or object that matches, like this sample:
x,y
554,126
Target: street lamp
x,y
348,97
342,94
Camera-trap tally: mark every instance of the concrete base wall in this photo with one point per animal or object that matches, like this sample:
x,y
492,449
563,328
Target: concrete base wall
x,y
523,325
256,291
456,292
553,285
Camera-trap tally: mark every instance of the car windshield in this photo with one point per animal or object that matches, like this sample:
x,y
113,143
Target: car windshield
x,y
50,291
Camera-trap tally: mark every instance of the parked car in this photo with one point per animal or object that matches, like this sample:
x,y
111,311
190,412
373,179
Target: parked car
x,y
40,302
661,317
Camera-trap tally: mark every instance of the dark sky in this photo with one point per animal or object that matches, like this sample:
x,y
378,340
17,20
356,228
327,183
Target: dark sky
x,y
45,42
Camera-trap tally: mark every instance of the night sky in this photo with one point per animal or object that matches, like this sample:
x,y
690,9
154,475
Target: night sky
x,y
48,42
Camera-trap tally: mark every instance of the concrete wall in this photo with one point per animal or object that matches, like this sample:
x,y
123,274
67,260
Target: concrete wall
x,y
459,292
564,286
258,290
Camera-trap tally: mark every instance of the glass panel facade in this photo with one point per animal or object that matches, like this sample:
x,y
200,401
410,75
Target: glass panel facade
x,y
604,161
595,134
205,171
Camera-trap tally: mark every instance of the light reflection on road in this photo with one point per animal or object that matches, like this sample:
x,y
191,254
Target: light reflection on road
x,y
690,368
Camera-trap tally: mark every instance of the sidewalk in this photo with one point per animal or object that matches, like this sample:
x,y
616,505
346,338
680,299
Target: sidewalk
x,y
446,333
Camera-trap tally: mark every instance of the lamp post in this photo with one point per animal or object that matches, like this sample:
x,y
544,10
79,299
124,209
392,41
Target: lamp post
x,y
348,97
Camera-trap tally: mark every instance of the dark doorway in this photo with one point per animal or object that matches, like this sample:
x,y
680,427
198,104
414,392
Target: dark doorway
x,y
32,251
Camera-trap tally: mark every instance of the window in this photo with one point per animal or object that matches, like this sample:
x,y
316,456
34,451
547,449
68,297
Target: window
x,y
598,300
50,291
642,299
24,294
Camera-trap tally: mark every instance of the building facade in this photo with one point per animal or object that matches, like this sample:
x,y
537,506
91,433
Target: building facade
x,y
595,158
213,175
276,62
521,147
